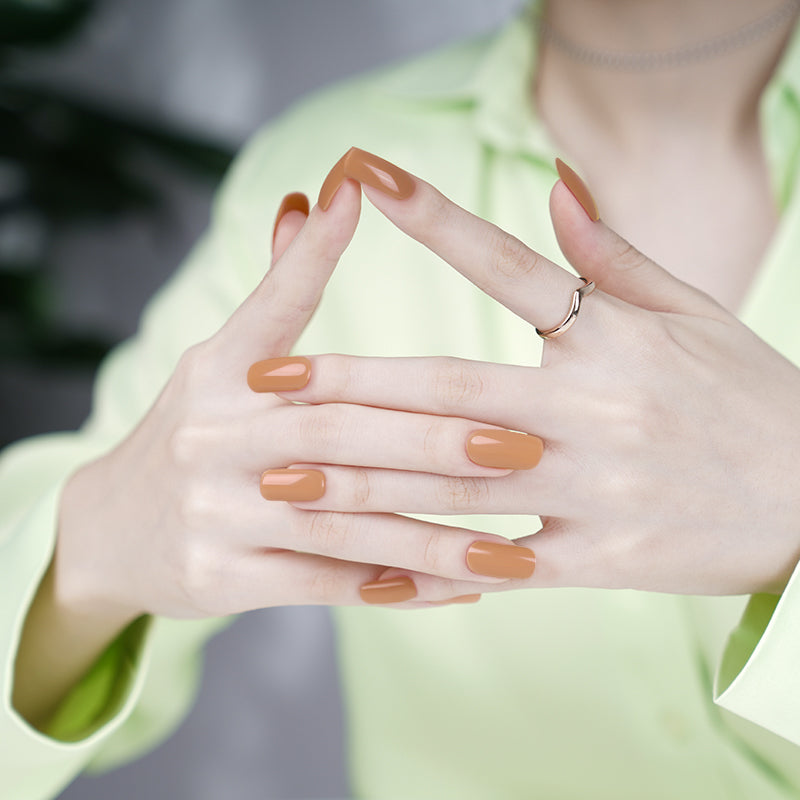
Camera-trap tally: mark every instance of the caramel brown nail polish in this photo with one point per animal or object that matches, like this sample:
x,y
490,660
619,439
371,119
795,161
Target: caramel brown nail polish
x,y
504,449
497,560
369,169
462,598
279,374
294,201
389,590
332,182
580,191
297,485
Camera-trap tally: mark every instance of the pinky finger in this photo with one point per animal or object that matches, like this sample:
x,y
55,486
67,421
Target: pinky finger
x,y
267,578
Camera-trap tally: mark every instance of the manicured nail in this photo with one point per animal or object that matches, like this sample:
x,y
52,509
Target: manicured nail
x,y
580,191
389,590
462,598
366,168
504,449
294,201
497,560
297,485
279,374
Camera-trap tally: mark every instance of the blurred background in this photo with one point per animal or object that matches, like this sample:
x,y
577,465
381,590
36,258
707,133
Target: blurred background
x,y
117,120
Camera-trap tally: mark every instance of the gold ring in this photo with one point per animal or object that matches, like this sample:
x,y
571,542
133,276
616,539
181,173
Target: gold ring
x,y
572,315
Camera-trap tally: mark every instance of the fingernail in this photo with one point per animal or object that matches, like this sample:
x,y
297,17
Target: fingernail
x,y
292,484
294,201
497,560
389,590
366,168
580,191
504,449
279,374
462,598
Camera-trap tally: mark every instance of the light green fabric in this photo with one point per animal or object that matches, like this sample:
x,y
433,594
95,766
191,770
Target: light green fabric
x,y
558,694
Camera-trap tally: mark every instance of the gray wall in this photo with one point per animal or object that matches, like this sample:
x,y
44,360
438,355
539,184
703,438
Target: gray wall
x,y
268,722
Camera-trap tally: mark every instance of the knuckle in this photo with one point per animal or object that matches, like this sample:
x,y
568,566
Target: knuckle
x,y
327,584
321,425
457,382
628,257
432,555
435,441
195,509
510,258
361,488
460,494
196,575
328,532
186,444
190,369
335,373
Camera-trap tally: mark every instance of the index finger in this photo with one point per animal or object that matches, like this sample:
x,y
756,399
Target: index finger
x,y
524,281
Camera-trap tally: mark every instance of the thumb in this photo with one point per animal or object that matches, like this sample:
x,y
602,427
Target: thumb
x,y
601,255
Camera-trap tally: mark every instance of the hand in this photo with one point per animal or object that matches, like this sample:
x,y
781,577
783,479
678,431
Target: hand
x,y
670,429
183,530
171,521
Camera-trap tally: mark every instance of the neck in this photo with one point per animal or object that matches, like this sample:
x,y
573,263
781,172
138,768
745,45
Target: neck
x,y
632,110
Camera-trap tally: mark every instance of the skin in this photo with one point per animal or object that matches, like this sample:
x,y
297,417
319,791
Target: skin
x,y
183,530
646,486
679,475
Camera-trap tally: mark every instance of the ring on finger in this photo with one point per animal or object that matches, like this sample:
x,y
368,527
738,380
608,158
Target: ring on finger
x,y
569,320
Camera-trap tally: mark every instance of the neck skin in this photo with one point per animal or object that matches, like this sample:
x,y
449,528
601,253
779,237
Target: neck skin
x,y
632,112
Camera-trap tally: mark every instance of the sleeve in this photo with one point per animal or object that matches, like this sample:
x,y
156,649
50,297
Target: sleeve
x,y
759,674
143,684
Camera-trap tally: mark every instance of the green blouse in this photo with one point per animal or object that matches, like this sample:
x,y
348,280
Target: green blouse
x,y
561,693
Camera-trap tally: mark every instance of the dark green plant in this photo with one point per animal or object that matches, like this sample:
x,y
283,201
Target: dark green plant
x,y
64,161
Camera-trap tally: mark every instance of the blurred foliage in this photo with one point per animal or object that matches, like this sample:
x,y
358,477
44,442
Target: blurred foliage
x,y
64,161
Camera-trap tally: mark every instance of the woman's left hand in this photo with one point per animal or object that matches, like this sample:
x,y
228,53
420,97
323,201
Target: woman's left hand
x,y
671,430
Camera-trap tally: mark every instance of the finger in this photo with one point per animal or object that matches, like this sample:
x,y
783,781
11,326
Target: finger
x,y
509,396
520,278
361,489
339,433
431,592
448,552
451,552
263,579
291,217
617,267
273,316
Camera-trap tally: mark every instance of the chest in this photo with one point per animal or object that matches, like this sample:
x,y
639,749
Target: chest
x,y
709,221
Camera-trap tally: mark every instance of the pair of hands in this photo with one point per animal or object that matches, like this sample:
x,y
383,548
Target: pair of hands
x,y
669,435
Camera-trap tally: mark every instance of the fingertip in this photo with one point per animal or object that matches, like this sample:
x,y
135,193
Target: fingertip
x,y
579,237
578,189
290,218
